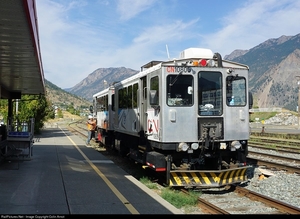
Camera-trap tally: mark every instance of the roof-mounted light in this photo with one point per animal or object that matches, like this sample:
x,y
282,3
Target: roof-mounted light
x,y
200,62
204,62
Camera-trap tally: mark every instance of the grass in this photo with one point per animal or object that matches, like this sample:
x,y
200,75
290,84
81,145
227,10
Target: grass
x,y
147,182
261,115
275,135
266,115
179,199
174,197
272,146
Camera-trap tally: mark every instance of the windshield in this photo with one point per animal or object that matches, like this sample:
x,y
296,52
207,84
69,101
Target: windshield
x,y
235,91
180,90
210,93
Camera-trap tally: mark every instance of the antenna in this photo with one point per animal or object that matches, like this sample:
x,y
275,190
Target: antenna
x,y
168,52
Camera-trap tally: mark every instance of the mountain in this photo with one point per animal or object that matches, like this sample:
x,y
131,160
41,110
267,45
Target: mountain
x,y
62,98
273,69
100,79
236,53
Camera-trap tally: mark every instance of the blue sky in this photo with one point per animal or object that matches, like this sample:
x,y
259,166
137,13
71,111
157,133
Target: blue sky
x,y
79,36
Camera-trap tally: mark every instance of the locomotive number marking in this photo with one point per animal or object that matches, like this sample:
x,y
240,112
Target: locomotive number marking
x,y
173,69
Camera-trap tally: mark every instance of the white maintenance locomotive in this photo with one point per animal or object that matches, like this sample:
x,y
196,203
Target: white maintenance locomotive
x,y
187,117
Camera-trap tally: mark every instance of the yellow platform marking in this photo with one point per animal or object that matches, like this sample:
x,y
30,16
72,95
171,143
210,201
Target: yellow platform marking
x,y
126,203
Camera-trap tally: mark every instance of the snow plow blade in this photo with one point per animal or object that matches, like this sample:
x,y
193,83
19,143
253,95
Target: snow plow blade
x,y
207,178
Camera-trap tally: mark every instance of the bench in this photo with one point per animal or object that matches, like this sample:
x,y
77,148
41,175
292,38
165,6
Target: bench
x,y
21,140
10,152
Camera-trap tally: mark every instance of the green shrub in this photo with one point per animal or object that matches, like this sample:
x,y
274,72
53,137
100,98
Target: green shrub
x,y
179,199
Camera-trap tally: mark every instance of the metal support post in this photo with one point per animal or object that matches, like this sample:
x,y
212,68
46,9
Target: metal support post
x,y
298,82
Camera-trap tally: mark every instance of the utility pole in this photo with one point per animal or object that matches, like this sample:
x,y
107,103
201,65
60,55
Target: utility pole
x,y
105,83
298,82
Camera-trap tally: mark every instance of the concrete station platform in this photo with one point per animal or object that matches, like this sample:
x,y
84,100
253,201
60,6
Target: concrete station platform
x,y
64,177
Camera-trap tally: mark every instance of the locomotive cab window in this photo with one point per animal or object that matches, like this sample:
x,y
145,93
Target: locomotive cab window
x,y
102,103
210,94
235,91
179,90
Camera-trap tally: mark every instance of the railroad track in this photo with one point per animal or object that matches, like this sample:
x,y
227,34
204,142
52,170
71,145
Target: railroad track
x,y
270,161
73,127
286,145
249,197
278,144
79,128
272,165
281,206
276,157
277,149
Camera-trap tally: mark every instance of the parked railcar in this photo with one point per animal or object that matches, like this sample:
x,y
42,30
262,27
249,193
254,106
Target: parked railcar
x,y
187,117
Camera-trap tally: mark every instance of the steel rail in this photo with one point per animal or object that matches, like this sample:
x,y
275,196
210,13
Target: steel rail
x,y
277,148
206,206
260,162
276,157
281,206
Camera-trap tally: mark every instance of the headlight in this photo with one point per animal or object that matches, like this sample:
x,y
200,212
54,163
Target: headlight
x,y
195,146
236,144
183,147
223,146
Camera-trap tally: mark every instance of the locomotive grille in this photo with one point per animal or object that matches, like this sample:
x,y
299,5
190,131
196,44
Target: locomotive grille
x,y
211,126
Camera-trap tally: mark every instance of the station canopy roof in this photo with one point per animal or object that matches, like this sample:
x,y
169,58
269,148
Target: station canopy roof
x,y
21,70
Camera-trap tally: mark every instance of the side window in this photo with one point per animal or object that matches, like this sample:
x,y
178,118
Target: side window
x,y
154,86
134,95
129,97
123,98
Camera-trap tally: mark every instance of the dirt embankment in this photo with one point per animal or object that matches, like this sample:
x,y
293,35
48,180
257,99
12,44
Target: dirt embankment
x,y
67,118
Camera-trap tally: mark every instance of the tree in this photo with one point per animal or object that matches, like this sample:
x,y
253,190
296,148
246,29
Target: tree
x,y
37,107
59,113
3,110
29,106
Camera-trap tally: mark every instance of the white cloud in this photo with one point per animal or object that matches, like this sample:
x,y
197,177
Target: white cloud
x,y
253,24
130,8
68,47
165,32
